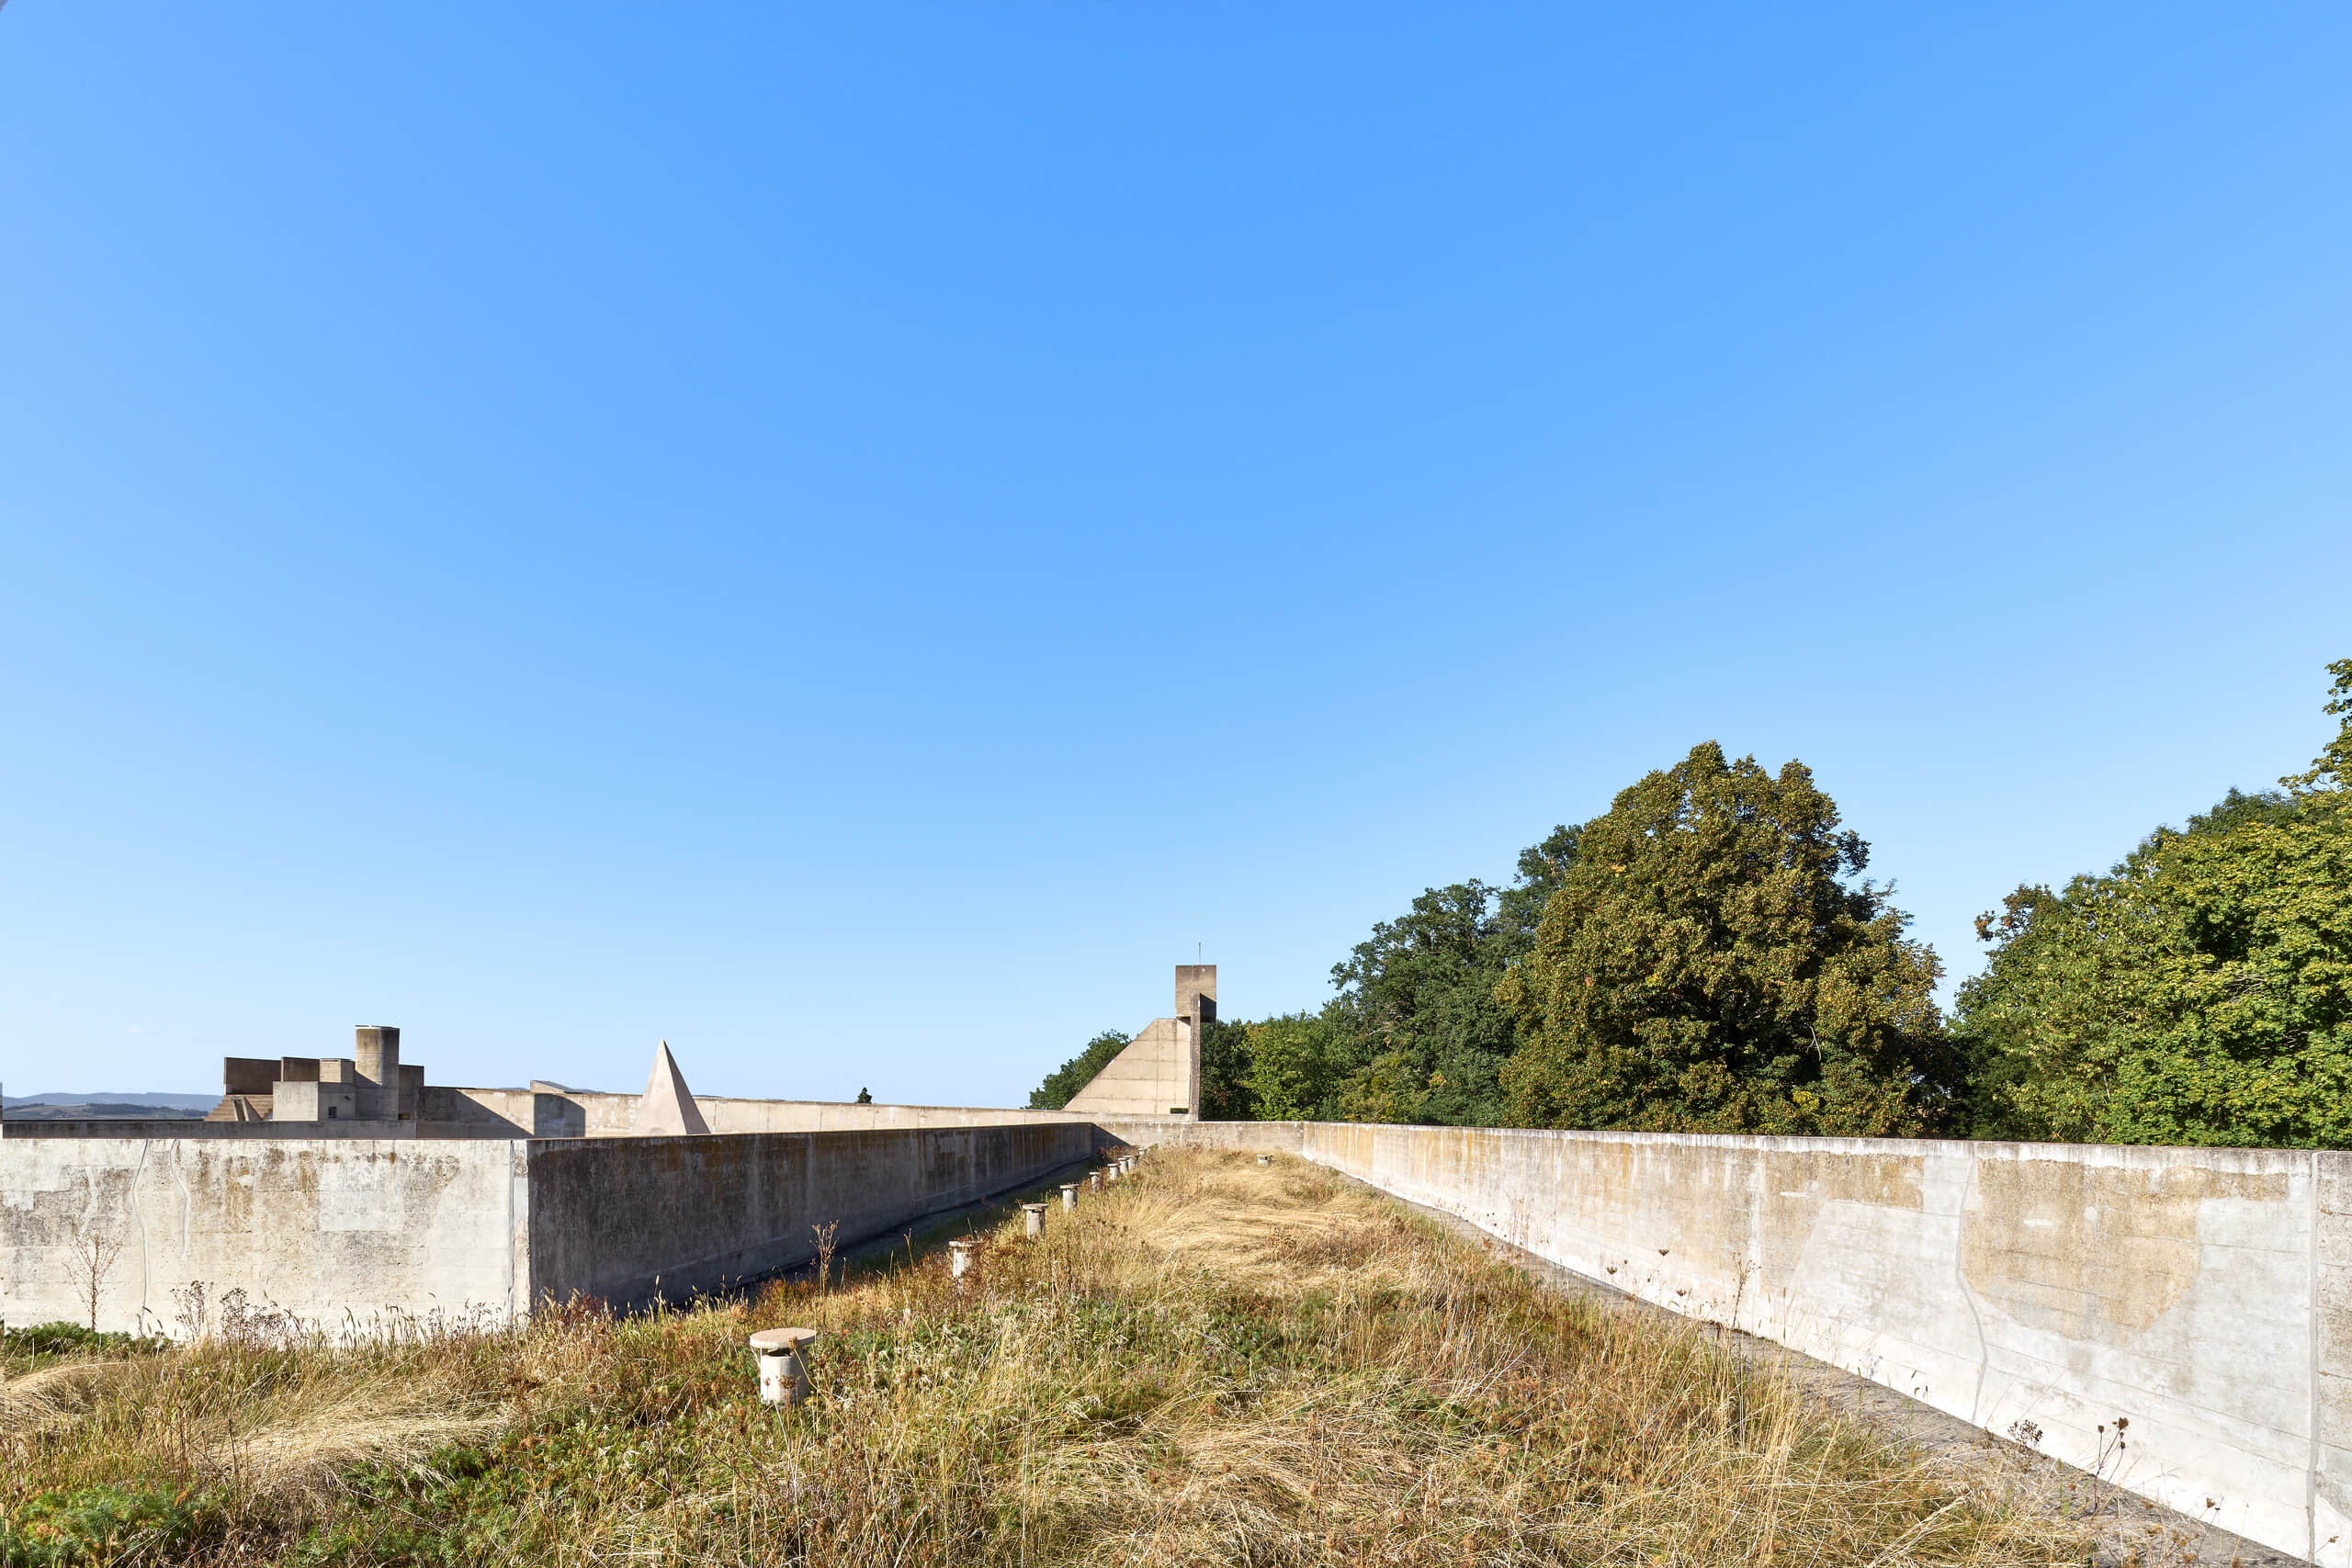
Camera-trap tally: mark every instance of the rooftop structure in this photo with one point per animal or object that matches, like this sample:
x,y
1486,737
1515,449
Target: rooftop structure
x,y
370,1085
1158,1074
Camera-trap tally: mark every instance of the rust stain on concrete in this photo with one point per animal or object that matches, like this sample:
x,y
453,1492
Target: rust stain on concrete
x,y
2097,1252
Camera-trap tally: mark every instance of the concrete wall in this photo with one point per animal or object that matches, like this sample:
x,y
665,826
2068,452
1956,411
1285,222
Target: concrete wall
x,y
2203,1295
445,1111
315,1226
345,1230
133,1128
611,1216
612,1115
1179,1131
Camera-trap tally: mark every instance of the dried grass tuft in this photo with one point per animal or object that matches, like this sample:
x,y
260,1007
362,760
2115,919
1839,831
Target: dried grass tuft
x,y
43,1400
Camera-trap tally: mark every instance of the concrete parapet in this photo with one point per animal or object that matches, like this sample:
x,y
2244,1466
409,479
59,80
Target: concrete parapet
x,y
133,1129
603,1115
2039,1291
340,1233
313,1226
1179,1131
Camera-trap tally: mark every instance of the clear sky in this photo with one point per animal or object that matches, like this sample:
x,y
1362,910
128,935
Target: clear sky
x,y
853,538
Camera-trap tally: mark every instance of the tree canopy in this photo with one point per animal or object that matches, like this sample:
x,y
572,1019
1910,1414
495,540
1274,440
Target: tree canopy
x,y
1708,956
2200,992
1417,1033
1713,962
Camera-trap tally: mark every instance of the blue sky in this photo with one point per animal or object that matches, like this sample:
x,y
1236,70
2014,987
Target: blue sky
x,y
852,538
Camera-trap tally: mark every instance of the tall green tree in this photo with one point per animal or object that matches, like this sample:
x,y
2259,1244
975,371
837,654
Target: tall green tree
x,y
1713,961
1416,1010
1298,1064
2200,992
1225,1091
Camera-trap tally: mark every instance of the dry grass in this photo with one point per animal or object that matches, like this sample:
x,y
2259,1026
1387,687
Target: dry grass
x,y
1217,1362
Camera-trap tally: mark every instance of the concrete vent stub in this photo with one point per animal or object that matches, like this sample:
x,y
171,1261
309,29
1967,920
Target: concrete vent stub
x,y
669,1105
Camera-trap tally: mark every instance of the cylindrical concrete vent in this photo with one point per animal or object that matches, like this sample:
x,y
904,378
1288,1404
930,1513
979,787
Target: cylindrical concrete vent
x,y
375,1056
784,1376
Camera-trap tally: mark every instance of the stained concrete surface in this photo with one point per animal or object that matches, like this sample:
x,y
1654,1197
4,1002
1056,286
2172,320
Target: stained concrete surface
x,y
2039,1290
346,1232
2133,1531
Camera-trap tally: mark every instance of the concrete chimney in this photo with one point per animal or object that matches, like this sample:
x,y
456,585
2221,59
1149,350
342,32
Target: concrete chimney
x,y
378,1057
1195,1011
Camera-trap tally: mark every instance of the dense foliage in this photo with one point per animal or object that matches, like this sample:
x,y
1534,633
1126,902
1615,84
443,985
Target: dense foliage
x,y
1417,1021
1225,1073
1713,962
1708,956
2200,992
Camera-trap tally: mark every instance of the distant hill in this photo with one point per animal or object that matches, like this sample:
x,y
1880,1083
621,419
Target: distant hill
x,y
129,1104
100,1109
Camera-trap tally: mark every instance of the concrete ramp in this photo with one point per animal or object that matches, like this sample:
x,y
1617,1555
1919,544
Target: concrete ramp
x,y
1158,1074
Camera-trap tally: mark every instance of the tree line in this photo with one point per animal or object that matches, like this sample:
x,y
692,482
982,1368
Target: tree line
x,y
1708,955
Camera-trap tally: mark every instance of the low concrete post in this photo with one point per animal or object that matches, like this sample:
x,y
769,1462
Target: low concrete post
x,y
784,1376
1034,1216
1069,1196
1094,1181
959,1259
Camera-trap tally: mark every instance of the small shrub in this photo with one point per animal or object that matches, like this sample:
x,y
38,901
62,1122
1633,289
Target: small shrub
x,y
97,1524
72,1339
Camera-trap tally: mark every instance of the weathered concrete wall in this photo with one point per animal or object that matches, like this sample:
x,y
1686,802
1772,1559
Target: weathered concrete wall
x,y
318,1227
611,1115
447,1112
136,1128
2202,1296
443,1112
1147,1132
610,1217
343,1230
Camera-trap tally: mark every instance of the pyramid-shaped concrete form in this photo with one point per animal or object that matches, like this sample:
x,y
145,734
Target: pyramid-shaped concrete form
x,y
669,1105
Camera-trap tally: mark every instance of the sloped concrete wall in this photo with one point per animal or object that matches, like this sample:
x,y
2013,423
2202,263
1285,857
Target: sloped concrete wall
x,y
2194,1303
1157,1071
